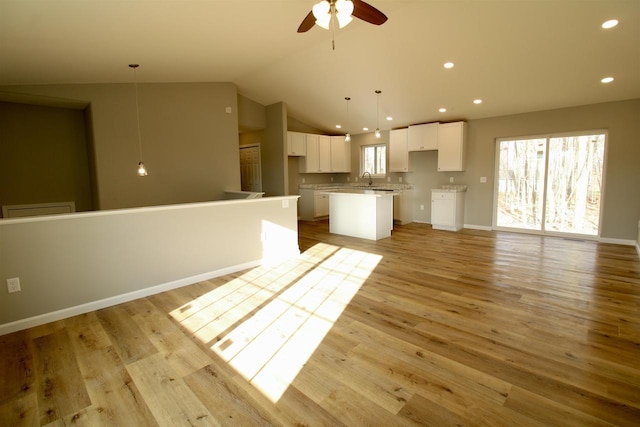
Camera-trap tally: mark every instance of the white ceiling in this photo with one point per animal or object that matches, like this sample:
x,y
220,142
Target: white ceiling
x,y
517,56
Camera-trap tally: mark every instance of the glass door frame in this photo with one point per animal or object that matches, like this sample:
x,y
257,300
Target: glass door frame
x,y
542,230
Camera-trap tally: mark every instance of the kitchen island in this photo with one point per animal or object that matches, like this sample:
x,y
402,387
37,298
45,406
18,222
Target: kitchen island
x,y
361,212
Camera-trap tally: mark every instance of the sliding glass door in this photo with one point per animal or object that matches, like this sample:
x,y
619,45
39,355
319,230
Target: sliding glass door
x,y
550,184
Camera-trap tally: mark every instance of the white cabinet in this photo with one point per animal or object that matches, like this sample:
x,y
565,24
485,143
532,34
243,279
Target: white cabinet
x,y
423,137
318,158
398,153
296,144
321,205
312,204
447,210
340,154
451,146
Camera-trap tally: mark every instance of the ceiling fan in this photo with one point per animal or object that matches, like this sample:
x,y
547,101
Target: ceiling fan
x,y
342,10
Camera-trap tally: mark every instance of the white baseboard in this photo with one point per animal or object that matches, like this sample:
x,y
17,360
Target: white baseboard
x,y
42,319
638,248
478,227
617,241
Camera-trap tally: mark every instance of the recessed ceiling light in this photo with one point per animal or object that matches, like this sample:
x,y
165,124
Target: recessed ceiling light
x,y
448,65
607,80
477,101
610,23
442,110
338,126
389,118
365,129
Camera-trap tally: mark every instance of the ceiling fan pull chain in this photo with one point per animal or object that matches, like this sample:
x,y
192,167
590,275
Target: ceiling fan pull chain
x,y
333,37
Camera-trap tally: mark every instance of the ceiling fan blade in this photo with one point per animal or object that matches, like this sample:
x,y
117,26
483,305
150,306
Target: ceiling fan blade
x,y
368,13
307,23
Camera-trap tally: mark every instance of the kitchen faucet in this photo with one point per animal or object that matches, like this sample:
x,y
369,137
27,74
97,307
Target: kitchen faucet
x,y
370,181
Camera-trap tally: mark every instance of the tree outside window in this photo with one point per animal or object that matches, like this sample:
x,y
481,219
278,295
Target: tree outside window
x,y
373,159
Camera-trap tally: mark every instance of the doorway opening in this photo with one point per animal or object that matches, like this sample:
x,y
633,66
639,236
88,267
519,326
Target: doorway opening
x,y
551,184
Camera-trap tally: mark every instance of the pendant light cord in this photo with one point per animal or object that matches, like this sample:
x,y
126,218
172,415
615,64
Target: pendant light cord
x,y
135,83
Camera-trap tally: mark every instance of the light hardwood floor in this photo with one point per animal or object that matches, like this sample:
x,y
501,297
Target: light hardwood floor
x,y
424,328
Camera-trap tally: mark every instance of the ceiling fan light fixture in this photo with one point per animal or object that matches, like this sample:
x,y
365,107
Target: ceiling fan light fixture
x,y
344,9
322,13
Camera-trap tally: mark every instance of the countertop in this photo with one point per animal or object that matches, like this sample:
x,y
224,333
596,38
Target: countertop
x,y
356,186
451,188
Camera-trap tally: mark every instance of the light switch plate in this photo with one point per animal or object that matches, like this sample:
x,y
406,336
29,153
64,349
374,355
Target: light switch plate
x,y
483,180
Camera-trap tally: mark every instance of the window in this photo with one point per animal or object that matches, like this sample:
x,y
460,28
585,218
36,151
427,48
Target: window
x,y
373,159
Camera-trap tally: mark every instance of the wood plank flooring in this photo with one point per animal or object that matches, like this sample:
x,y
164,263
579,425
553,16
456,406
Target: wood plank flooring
x,y
424,328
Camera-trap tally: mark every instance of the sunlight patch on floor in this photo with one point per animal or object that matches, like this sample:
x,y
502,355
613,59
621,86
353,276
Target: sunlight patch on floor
x,y
271,347
269,321
211,314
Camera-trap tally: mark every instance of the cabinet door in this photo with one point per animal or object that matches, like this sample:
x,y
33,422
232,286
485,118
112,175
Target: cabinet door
x,y
322,205
423,137
340,155
324,153
451,146
443,209
311,162
296,144
398,153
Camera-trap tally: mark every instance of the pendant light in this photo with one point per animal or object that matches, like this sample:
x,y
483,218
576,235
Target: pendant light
x,y
347,137
142,170
377,133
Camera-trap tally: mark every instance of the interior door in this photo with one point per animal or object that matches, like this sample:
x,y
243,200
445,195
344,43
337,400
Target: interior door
x,y
250,169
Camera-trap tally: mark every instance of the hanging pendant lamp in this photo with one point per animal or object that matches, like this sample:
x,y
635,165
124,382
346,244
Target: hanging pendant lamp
x,y
377,133
347,137
142,170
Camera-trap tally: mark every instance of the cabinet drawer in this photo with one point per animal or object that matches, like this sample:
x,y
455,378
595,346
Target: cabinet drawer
x,y
443,195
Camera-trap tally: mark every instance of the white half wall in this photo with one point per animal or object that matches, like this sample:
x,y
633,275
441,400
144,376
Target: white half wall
x,y
74,263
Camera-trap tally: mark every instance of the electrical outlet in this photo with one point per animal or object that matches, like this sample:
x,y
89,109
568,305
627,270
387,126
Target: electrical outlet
x,y
421,207
303,180
400,179
388,179
451,179
483,180
13,285
331,179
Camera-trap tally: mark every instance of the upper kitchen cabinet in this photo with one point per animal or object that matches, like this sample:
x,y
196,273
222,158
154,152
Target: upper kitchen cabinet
x,y
318,158
398,150
423,137
296,144
451,146
340,154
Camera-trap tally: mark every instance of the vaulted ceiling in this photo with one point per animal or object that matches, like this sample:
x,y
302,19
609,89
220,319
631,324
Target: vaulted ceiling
x,y
517,56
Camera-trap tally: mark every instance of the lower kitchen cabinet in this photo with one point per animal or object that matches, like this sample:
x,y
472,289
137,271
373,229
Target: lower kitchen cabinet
x,y
447,210
313,204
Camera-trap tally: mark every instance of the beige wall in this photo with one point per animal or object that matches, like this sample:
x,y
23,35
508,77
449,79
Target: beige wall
x,y
273,151
190,142
68,264
251,115
44,156
621,204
